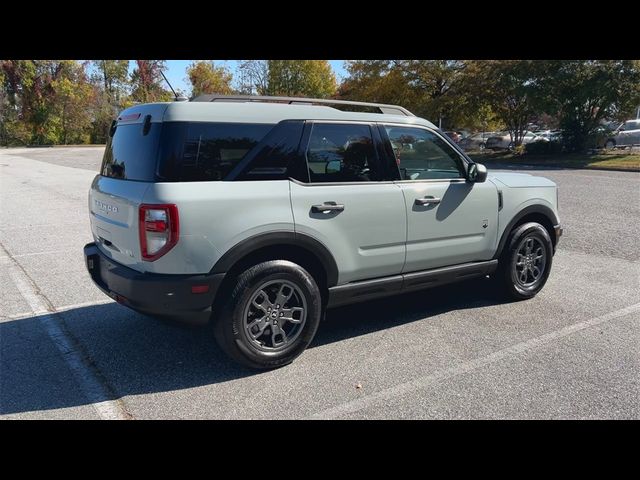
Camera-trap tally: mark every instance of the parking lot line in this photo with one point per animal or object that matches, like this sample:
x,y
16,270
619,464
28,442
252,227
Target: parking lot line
x,y
96,391
421,382
64,308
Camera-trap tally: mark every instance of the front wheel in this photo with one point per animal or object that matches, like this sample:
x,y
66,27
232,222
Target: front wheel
x,y
271,316
526,262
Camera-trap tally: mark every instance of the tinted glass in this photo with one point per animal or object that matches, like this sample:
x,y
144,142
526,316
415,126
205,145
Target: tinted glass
x,y
276,158
342,153
194,152
421,154
130,155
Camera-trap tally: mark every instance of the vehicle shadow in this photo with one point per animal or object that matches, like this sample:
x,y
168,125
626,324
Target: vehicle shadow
x,y
140,355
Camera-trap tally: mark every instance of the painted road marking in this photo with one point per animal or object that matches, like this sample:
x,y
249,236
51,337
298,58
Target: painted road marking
x,y
94,389
421,382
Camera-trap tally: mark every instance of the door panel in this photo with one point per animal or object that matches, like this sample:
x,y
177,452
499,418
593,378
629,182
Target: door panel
x,y
367,238
461,228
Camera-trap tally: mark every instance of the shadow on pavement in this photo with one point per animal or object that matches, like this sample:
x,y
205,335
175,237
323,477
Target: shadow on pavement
x,y
140,355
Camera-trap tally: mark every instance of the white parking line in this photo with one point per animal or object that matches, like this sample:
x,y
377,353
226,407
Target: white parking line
x,y
421,382
90,384
65,308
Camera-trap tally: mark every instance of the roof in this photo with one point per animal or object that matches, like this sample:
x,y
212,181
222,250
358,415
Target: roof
x,y
256,112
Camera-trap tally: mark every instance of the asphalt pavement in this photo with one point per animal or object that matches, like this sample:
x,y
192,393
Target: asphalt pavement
x,y
68,351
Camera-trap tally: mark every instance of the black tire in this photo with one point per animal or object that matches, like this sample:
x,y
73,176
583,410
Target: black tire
x,y
507,274
231,326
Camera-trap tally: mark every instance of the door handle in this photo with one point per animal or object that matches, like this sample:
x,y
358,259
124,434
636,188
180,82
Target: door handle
x,y
327,208
429,200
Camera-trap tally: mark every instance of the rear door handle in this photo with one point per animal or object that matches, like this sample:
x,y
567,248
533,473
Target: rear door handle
x,y
327,208
429,200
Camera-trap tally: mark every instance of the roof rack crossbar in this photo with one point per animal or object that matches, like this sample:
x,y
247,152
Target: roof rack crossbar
x,y
383,108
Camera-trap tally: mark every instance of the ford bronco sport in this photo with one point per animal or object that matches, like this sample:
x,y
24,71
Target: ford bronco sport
x,y
262,212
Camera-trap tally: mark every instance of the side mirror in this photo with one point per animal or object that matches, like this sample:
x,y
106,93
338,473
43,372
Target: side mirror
x,y
477,173
334,166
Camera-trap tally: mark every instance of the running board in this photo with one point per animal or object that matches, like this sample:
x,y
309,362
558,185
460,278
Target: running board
x,y
408,282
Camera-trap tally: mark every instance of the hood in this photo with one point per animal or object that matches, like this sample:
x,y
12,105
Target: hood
x,y
519,180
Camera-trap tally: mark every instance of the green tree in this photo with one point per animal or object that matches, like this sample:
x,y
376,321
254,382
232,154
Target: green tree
x,y
111,80
205,77
434,89
585,92
511,89
377,81
310,78
147,82
46,101
74,96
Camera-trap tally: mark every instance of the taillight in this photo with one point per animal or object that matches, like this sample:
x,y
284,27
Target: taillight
x,y
159,229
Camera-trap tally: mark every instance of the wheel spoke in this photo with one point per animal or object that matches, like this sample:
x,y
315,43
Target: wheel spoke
x,y
283,296
523,275
292,315
261,323
277,332
528,245
275,315
535,271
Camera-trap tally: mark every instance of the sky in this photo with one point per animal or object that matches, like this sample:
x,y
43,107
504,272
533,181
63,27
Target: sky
x,y
177,71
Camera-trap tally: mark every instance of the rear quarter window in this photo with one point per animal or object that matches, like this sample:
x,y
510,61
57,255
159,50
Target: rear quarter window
x,y
193,152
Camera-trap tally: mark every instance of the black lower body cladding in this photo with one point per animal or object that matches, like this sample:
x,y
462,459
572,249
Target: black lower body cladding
x,y
163,295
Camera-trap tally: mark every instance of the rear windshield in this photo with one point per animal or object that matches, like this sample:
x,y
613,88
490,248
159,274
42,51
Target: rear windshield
x,y
130,155
180,151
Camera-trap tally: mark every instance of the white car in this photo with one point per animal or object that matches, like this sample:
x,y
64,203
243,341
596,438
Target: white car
x,y
503,140
259,215
626,135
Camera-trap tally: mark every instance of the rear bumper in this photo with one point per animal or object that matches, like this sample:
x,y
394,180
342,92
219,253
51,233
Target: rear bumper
x,y
152,293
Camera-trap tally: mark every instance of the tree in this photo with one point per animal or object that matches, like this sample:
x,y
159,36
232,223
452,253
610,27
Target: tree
x,y
113,76
376,81
254,77
585,92
205,77
147,81
434,89
310,78
111,80
73,95
510,88
46,101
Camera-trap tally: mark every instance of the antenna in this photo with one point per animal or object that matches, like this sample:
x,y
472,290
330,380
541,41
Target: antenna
x,y
178,99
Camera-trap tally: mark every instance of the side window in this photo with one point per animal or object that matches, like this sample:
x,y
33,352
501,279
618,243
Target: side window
x,y
421,154
342,153
276,157
194,152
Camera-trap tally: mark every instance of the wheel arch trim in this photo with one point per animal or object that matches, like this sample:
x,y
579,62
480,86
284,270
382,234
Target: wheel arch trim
x,y
537,208
279,238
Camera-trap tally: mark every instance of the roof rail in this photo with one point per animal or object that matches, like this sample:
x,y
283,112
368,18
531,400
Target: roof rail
x,y
383,108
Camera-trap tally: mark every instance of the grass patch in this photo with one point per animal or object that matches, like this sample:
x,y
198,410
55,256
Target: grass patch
x,y
617,160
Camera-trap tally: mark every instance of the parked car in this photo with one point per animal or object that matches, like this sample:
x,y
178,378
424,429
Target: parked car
x,y
503,141
455,136
476,141
259,215
625,135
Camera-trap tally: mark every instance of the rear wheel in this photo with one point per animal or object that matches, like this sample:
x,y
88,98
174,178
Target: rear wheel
x,y
526,262
271,316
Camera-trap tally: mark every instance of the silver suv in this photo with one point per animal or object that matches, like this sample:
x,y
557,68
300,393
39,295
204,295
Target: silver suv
x,y
259,213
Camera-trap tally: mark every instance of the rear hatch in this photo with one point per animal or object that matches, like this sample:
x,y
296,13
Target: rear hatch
x,y
128,169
